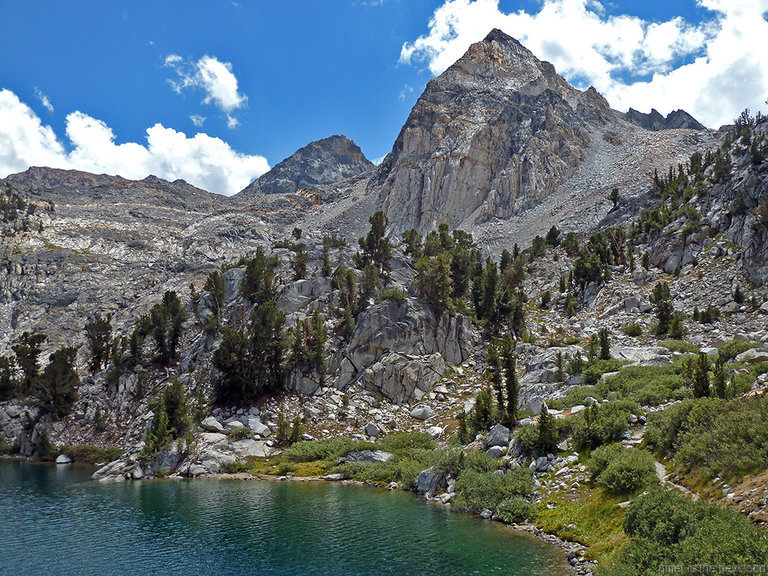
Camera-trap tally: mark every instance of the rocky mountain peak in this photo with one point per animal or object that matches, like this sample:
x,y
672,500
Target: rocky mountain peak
x,y
655,121
498,128
321,162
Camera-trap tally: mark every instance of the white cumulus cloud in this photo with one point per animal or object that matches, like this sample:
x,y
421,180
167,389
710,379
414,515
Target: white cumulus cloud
x,y
44,100
202,160
214,78
712,69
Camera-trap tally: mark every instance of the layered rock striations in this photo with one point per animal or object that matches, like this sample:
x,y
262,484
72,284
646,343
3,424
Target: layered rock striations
x,y
496,130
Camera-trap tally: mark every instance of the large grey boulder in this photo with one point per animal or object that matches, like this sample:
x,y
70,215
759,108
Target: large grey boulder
x,y
429,481
404,378
63,459
422,412
642,355
210,424
497,436
365,456
753,356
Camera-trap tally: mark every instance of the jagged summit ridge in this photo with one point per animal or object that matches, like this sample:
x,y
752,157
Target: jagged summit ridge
x,y
321,162
655,121
498,128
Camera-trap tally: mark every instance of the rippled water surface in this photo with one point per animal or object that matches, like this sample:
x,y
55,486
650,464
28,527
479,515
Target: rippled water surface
x,y
54,522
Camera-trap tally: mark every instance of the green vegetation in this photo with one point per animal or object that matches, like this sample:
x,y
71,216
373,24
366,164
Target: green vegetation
x,y
632,329
622,470
98,332
666,529
476,490
603,423
251,360
56,388
171,421
712,437
376,248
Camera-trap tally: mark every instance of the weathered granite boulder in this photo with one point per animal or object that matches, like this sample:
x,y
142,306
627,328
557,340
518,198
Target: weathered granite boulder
x,y
365,456
429,481
497,436
403,378
422,412
408,329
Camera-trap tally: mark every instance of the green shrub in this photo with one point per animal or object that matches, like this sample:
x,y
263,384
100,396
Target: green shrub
x,y
235,467
515,510
286,468
602,423
622,470
726,438
326,449
632,329
394,294
406,441
679,346
733,348
478,490
667,529
455,461
647,384
597,368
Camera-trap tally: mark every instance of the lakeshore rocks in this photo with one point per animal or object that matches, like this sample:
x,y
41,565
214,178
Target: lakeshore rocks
x,y
429,481
63,459
365,456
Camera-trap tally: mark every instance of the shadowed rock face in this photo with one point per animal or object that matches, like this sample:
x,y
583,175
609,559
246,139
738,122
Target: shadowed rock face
x,y
497,129
655,121
322,162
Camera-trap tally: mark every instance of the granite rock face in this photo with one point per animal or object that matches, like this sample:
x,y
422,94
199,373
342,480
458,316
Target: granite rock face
x,y
496,130
322,162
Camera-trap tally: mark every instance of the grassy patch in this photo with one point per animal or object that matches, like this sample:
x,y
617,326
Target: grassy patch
x,y
679,346
327,449
594,519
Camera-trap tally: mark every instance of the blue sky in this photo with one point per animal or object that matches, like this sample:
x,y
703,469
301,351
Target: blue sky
x,y
125,87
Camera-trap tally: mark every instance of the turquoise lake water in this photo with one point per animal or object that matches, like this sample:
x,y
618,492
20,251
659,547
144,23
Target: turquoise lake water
x,y
53,521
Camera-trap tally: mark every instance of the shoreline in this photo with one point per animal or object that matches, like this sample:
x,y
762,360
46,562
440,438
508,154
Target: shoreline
x,y
573,552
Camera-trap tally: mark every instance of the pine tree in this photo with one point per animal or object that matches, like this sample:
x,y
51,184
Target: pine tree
x,y
605,344
99,335
56,388
701,376
27,354
547,441
511,384
662,302
494,375
719,378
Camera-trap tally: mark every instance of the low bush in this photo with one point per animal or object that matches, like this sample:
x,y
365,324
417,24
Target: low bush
x,y
603,423
405,441
632,329
326,449
733,348
515,510
667,529
679,346
714,437
597,368
240,433
454,461
621,470
235,467
652,385
394,294
476,491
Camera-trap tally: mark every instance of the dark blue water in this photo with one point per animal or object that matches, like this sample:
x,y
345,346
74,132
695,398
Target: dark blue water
x,y
54,522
